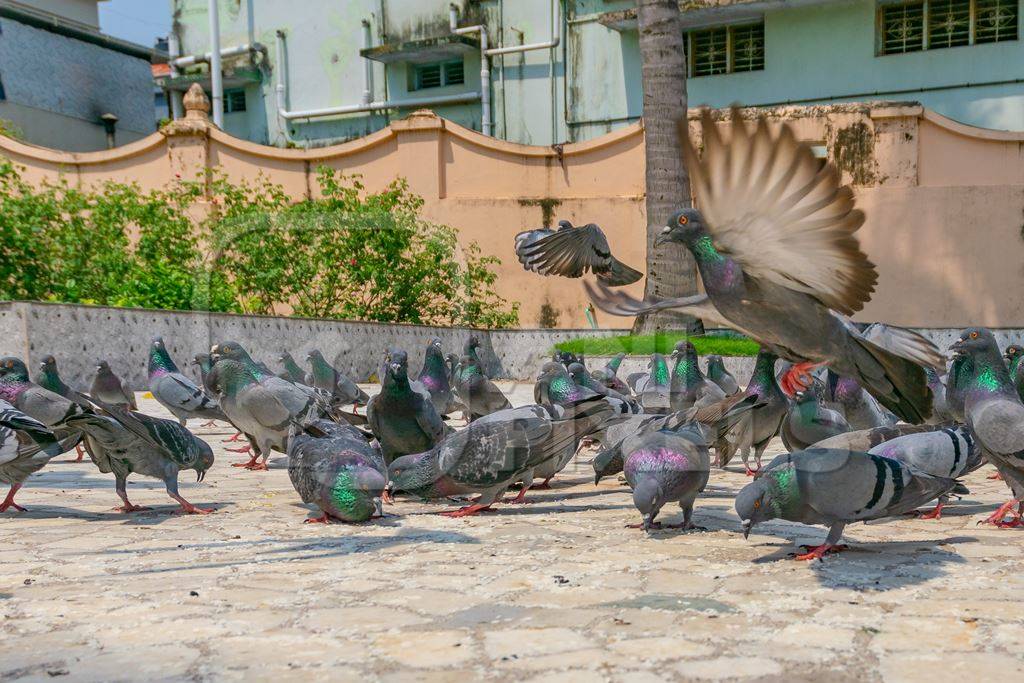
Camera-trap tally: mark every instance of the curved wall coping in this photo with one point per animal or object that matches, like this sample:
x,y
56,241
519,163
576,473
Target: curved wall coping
x,y
962,129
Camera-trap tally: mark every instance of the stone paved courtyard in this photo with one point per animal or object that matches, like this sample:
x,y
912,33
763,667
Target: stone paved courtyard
x,y
554,591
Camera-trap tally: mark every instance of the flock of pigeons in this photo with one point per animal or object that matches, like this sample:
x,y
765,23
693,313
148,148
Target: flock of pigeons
x,y
872,428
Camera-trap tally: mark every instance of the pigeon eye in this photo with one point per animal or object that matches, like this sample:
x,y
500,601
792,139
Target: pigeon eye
x,y
974,335
757,504
682,220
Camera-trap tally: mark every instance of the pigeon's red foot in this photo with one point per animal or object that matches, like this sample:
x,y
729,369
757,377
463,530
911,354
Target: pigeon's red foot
x,y
520,498
1011,524
236,437
80,453
798,377
819,551
128,507
244,449
750,472
188,508
322,519
209,423
998,516
996,476
640,525
934,514
9,500
248,464
543,486
466,511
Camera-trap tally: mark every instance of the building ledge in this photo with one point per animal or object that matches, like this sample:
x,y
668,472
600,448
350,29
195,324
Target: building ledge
x,y
425,50
239,78
698,13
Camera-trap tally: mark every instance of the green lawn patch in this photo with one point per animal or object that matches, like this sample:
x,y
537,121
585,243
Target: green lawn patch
x,y
658,343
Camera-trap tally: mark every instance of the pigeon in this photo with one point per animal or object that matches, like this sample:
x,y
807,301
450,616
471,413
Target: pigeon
x,y
859,407
763,424
948,452
493,453
717,373
689,385
260,404
472,349
40,404
49,378
866,439
664,466
809,422
608,375
571,252
655,395
995,415
835,488
775,245
555,386
941,412
1012,356
126,442
452,361
326,378
203,362
403,420
26,445
434,376
291,371
961,369
334,467
111,389
624,404
175,391
475,391
566,358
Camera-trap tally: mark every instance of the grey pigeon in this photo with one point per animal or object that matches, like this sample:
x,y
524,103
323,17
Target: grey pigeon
x,y
260,404
472,349
40,404
760,428
775,245
835,488
290,370
475,391
571,252
866,439
126,442
948,452
961,371
655,395
434,376
403,420
859,407
203,362
111,389
665,466
718,374
26,445
995,415
625,404
941,412
809,422
493,453
689,385
608,375
1013,355
326,378
175,391
334,467
49,378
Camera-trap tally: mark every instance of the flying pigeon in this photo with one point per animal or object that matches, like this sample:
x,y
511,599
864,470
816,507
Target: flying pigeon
x,y
26,445
948,452
835,488
493,453
475,391
334,467
774,242
434,376
809,422
571,252
111,389
717,373
403,420
689,385
326,378
762,426
175,391
995,415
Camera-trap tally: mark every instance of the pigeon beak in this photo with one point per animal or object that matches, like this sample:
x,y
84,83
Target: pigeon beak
x,y
200,475
747,526
377,507
662,237
396,367
957,345
597,479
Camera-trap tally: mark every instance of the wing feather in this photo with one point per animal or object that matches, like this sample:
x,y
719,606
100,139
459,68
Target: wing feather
x,y
770,204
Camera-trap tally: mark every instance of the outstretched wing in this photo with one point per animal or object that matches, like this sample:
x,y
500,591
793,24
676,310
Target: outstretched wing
x,y
620,303
571,252
774,208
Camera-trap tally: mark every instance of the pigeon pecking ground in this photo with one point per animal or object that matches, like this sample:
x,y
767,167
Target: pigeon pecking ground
x,y
557,590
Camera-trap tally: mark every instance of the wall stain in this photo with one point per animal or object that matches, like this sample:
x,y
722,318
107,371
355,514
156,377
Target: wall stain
x,y
854,153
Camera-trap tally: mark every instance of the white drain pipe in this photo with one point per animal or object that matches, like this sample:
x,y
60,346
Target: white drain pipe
x,y
282,96
556,36
485,68
216,74
367,64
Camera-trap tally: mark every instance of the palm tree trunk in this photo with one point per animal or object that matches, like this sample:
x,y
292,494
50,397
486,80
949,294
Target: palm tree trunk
x,y
671,271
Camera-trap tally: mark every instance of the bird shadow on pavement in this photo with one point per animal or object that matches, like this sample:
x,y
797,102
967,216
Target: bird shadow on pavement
x,y
156,514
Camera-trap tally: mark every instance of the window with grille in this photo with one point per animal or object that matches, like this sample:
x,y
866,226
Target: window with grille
x,y
935,24
437,74
725,49
234,101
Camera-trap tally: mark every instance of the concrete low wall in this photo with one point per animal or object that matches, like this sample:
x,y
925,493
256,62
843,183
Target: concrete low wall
x,y
80,335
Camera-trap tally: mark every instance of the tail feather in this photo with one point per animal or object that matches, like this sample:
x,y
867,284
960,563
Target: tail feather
x,y
903,387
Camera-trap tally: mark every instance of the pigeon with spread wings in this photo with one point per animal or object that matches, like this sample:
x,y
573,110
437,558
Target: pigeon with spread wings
x,y
775,246
571,252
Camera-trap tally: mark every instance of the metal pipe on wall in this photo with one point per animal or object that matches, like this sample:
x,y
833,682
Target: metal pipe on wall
x,y
216,74
367,64
250,21
485,68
